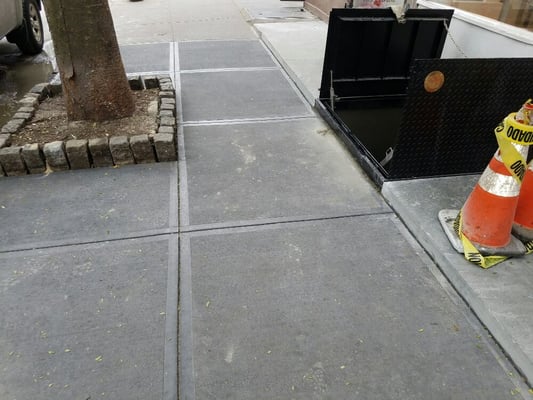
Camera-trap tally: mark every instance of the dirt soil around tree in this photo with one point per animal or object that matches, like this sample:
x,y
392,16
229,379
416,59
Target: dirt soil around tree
x,y
50,122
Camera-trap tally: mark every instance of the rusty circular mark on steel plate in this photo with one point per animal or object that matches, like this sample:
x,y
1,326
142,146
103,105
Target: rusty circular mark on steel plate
x,y
434,81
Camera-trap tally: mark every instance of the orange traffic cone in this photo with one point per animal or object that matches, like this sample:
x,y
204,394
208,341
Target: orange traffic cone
x,y
488,214
483,226
525,114
523,220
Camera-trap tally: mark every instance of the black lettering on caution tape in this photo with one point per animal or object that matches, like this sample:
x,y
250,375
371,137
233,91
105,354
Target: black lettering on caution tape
x,y
475,258
519,169
519,135
457,224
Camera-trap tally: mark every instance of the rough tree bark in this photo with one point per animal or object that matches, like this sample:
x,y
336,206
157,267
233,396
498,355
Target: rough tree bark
x,y
95,86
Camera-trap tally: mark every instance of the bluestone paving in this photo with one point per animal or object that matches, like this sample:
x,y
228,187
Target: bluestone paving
x,y
84,322
338,309
152,57
217,54
273,168
230,95
82,206
323,295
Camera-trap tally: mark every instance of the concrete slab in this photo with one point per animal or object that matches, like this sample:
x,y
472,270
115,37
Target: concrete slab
x,y
230,95
500,296
208,20
217,54
84,322
299,47
281,169
261,10
313,310
188,10
142,21
147,57
213,29
88,205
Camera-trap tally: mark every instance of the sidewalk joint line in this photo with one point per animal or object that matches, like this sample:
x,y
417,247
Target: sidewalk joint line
x,y
148,73
236,69
58,244
247,120
275,221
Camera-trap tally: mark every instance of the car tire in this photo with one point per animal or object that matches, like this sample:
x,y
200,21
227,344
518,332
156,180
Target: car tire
x,y
29,37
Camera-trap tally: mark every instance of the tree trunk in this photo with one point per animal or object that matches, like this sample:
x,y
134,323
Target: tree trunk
x,y
95,86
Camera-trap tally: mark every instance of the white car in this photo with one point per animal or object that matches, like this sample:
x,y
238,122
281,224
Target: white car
x,y
20,23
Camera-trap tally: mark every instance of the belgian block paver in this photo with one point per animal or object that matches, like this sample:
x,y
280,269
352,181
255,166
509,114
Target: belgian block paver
x,y
120,150
164,147
55,156
11,161
5,139
78,154
99,149
142,149
33,158
12,126
167,107
22,115
166,129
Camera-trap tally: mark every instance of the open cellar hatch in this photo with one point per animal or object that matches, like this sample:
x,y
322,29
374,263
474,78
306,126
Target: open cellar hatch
x,y
403,111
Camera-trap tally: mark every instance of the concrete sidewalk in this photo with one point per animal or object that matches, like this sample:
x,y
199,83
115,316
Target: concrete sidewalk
x,y
297,280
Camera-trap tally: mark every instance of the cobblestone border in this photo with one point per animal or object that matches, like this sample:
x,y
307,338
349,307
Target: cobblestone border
x,y
102,152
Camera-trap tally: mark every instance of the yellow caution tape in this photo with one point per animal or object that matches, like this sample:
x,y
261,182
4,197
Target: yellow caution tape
x,y
471,253
529,246
517,132
507,133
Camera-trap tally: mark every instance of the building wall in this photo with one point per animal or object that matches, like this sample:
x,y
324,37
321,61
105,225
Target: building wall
x,y
480,37
473,35
322,8
513,12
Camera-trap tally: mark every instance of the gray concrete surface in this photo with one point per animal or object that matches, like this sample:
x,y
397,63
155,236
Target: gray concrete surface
x,y
317,310
234,95
88,312
277,299
218,54
270,175
256,11
501,296
153,57
83,322
299,47
84,206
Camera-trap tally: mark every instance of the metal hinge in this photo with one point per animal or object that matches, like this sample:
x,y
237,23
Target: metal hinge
x,y
332,96
388,156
